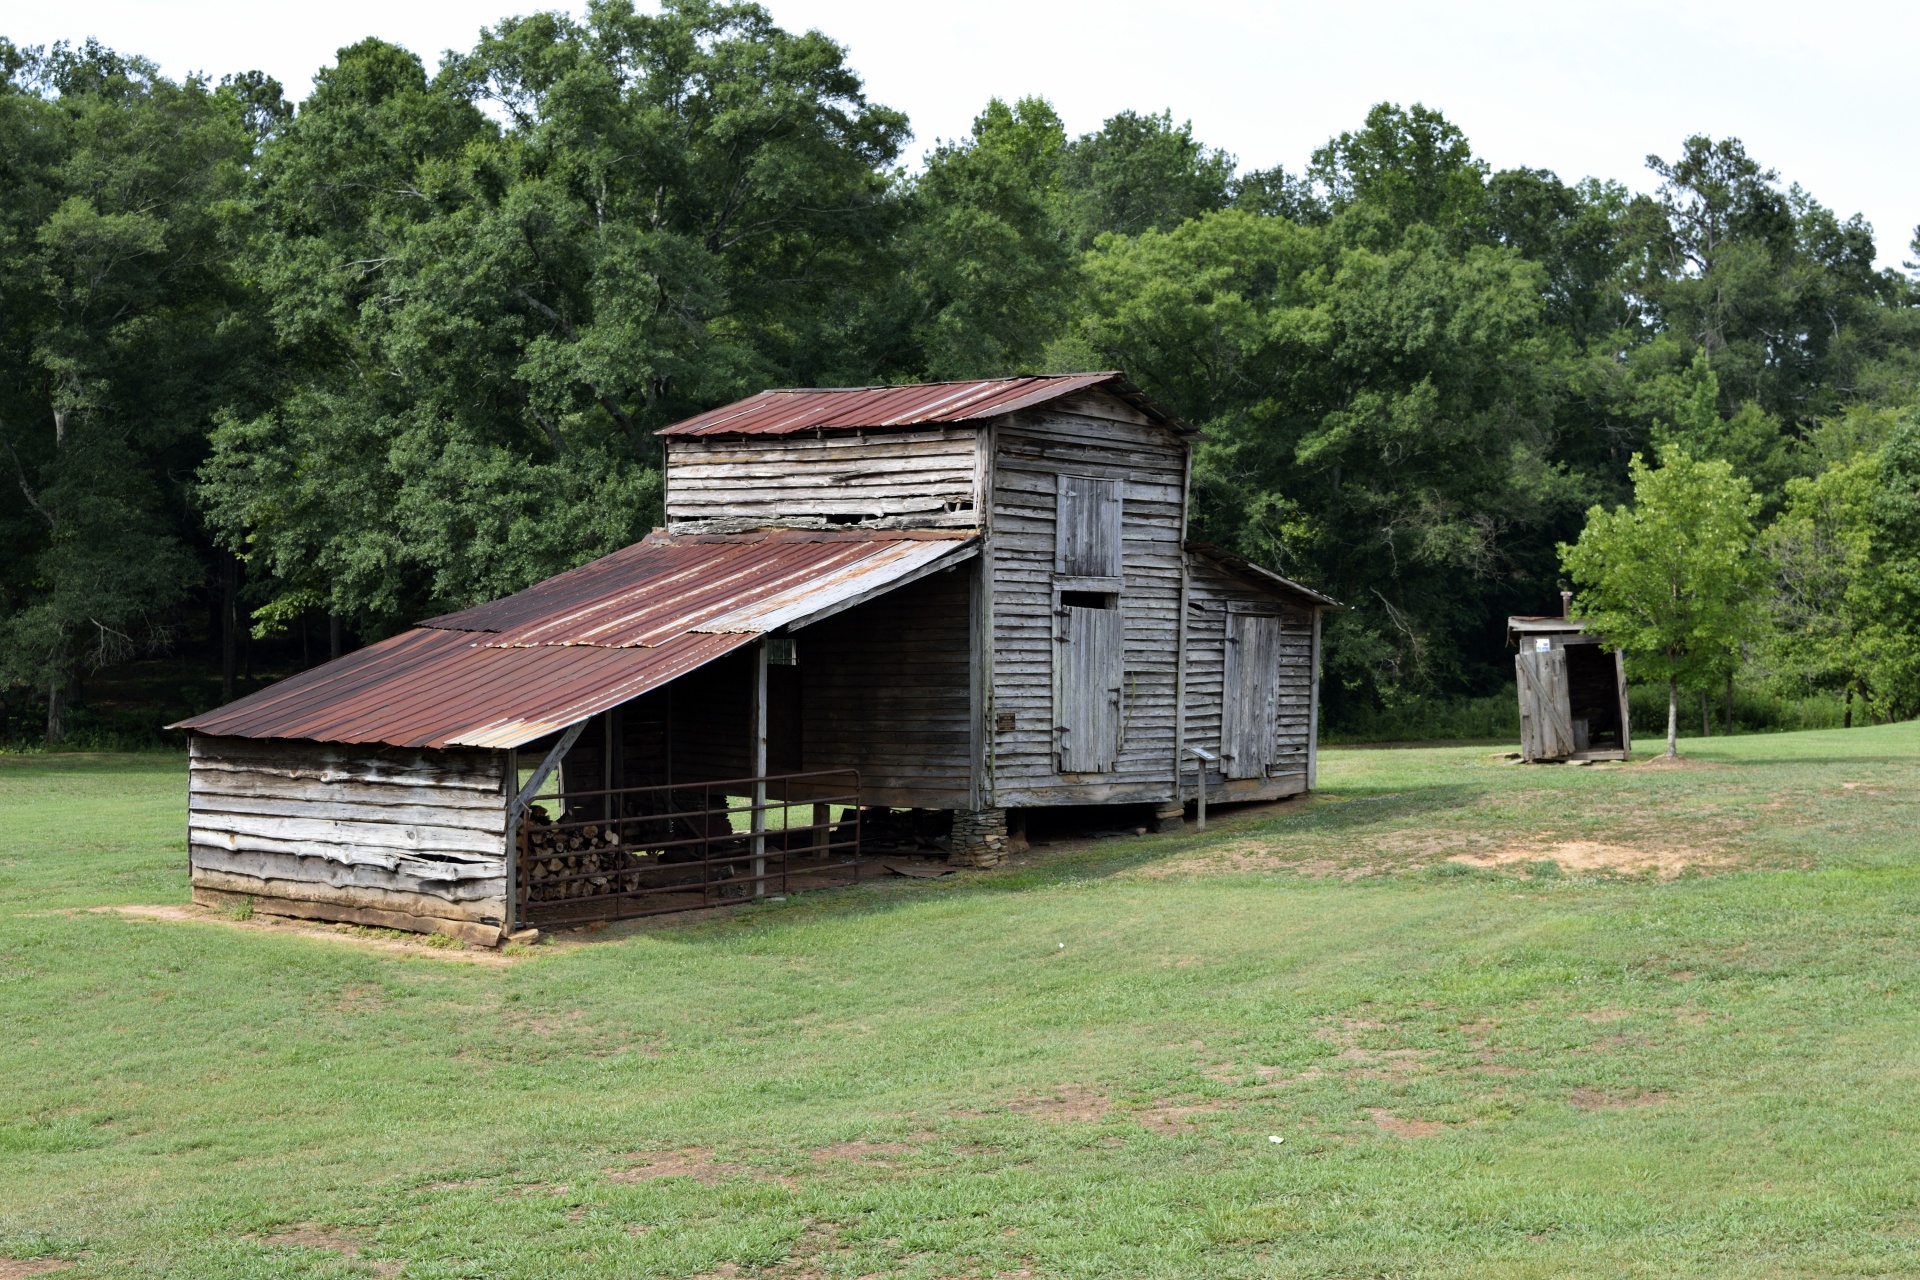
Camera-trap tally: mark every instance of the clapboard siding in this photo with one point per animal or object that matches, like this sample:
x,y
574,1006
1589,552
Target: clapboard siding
x,y
928,478
1212,595
1102,440
303,825
884,689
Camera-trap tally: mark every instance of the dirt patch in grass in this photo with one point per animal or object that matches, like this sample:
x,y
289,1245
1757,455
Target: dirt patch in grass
x,y
387,940
1175,1119
689,1162
1664,761
1067,1102
1600,1100
1246,856
19,1268
1402,1127
310,1236
1590,857
880,1153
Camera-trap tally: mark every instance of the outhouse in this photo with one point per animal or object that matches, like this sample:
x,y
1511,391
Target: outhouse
x,y
1572,689
871,613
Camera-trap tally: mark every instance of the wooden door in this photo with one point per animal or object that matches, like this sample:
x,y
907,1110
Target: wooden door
x,y
1086,688
1546,720
1250,695
1086,528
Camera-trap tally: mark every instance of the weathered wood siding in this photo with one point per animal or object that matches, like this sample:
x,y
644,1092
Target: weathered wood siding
x,y
921,478
328,830
883,689
1213,597
1096,438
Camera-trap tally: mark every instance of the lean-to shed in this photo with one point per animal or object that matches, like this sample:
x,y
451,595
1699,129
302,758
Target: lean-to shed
x,y
957,598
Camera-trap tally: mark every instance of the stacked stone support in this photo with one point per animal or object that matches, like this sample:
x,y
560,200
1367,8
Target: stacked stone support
x,y
979,837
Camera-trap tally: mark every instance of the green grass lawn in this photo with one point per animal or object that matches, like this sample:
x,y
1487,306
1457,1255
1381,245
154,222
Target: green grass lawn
x,y
1509,1021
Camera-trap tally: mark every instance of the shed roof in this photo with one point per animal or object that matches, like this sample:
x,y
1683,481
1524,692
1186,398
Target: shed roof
x,y
1527,624
506,673
1267,578
785,411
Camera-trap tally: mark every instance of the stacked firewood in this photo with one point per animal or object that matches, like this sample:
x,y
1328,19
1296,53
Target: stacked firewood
x,y
550,857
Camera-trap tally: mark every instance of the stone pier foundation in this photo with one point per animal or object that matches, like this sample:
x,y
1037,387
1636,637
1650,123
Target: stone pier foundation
x,y
979,837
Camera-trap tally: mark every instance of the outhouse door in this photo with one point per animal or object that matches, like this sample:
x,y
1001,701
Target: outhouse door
x,y
1546,719
1250,703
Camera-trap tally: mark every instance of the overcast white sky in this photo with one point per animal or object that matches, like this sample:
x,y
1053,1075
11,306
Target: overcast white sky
x,y
1825,93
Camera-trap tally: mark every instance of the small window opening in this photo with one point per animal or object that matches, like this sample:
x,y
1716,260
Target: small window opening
x,y
1089,600
960,504
782,652
845,517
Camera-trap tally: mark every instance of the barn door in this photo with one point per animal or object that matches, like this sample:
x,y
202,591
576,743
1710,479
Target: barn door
x,y
1250,702
1086,687
1546,720
1086,528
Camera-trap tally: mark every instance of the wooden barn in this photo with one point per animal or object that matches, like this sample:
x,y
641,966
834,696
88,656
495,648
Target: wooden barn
x,y
876,617
1572,690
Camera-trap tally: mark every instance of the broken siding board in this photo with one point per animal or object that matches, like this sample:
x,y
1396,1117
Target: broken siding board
x,y
221,786
489,822
464,769
296,869
410,837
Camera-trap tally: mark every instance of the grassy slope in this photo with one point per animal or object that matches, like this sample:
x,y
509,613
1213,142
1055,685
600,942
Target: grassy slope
x,y
1476,1073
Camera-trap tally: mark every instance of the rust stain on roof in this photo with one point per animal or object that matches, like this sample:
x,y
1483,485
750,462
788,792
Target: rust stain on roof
x,y
784,411
506,673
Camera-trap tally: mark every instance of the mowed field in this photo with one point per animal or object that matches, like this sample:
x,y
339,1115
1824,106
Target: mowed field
x,y
1507,1021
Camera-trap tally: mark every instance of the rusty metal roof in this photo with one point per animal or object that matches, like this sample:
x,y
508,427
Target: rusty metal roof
x,y
509,672
434,688
782,411
668,585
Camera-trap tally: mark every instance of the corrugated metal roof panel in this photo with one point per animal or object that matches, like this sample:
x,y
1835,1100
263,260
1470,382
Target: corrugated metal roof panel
x,y
507,673
786,410
433,688
665,586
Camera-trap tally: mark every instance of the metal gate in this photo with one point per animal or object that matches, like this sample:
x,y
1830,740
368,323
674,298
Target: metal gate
x,y
625,852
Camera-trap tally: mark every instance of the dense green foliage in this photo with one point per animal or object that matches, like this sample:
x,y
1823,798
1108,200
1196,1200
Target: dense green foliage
x,y
401,348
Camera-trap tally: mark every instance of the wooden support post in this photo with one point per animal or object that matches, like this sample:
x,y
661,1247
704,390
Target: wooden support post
x,y
510,784
518,806
759,742
823,826
1313,710
1626,712
1180,648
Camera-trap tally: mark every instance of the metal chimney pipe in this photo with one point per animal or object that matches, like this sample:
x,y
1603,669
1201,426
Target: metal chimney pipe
x,y
1566,604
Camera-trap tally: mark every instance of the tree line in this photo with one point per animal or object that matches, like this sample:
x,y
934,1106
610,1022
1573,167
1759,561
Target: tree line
x,y
401,347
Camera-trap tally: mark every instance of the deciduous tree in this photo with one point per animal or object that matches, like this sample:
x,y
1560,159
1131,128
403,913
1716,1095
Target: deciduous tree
x,y
1669,578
